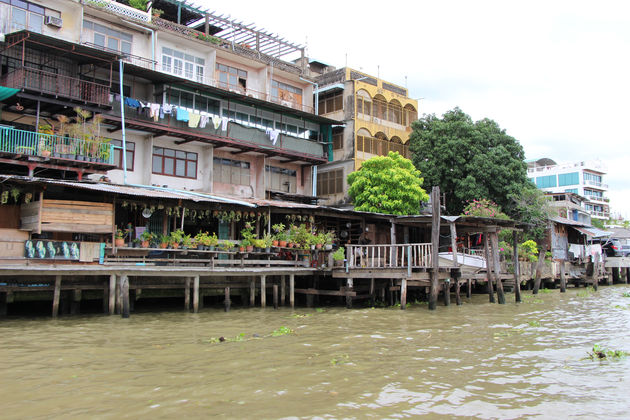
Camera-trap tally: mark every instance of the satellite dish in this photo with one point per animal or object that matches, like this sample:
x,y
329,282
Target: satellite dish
x,y
146,213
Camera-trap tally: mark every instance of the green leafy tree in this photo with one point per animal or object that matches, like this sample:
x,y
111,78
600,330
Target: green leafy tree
x,y
531,207
468,160
387,184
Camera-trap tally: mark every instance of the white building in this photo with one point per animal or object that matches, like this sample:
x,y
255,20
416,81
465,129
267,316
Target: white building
x,y
583,178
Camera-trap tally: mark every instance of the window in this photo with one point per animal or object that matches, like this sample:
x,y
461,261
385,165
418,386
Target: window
x,y
131,149
330,182
229,171
409,115
330,103
597,195
231,78
182,64
193,101
548,181
25,15
174,162
110,38
337,141
394,112
286,93
568,179
571,190
593,179
364,106
281,179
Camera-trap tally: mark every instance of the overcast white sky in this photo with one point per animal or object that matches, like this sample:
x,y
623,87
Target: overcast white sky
x,y
553,74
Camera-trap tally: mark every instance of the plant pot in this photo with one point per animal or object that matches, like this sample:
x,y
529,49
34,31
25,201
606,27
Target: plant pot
x,y
274,243
164,245
210,248
249,248
268,250
328,247
318,246
200,247
282,243
175,245
145,244
119,242
241,249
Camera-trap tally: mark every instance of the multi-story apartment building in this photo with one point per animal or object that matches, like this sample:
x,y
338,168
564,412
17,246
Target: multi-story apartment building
x,y
376,115
206,103
582,178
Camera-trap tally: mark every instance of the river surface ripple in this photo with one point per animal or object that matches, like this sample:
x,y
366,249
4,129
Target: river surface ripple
x,y
477,360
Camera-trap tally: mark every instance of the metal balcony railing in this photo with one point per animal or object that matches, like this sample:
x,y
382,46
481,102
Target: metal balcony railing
x,y
30,143
56,84
380,147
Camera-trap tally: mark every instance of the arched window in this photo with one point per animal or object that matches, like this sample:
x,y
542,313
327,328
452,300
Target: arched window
x,y
394,112
409,115
380,107
364,143
364,102
396,145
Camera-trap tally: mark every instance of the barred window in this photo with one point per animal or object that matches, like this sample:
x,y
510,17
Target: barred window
x,y
330,182
229,171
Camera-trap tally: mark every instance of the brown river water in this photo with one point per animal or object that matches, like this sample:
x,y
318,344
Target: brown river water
x,y
478,360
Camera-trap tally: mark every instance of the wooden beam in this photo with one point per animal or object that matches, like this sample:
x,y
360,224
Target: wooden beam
x,y
517,268
292,290
494,239
187,294
489,265
263,291
563,280
446,289
403,293
283,289
196,294
124,291
435,242
454,243
275,296
56,293
227,299
252,292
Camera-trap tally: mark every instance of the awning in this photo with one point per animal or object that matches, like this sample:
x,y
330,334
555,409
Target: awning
x,y
7,92
338,86
592,232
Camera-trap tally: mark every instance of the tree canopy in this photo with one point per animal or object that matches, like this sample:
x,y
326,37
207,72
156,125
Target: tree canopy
x,y
387,184
469,160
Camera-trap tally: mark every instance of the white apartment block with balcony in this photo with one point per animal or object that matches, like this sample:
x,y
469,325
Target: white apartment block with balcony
x,y
583,178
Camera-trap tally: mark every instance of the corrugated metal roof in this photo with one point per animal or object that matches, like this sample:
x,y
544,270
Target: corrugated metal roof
x,y
593,232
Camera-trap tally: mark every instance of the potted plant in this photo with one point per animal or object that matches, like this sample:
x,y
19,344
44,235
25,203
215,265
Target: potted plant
x,y
119,238
280,236
330,238
176,238
146,237
244,245
136,243
339,256
267,241
187,242
201,239
227,245
248,237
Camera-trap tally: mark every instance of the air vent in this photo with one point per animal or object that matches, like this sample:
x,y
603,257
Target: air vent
x,y
54,21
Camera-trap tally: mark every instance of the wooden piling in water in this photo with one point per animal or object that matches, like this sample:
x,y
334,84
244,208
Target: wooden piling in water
x,y
4,304
227,301
75,306
489,265
563,279
196,294
372,292
446,289
252,292
435,242
56,293
275,296
494,241
517,268
292,290
263,291
468,288
349,286
283,289
124,291
456,274
403,293
112,294
187,294
595,277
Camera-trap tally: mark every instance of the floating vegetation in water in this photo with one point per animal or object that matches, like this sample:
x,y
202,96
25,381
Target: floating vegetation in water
x,y
533,323
242,337
508,333
340,360
319,310
586,292
531,299
300,315
626,294
621,306
599,353
545,290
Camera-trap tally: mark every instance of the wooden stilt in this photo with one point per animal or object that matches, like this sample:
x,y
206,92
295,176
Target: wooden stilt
x,y
283,289
372,291
596,272
56,293
263,291
626,272
349,286
403,293
4,305
275,296
133,296
292,290
252,292
196,294
539,267
435,242
118,297
187,294
112,294
456,275
391,292
489,266
468,288
563,280
106,298
494,240
227,299
75,306
517,268
446,289
124,289
382,289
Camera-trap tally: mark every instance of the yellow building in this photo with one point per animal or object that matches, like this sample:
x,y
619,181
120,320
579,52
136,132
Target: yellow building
x,y
376,115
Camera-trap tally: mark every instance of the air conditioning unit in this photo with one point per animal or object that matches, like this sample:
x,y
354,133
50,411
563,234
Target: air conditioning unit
x,y
54,21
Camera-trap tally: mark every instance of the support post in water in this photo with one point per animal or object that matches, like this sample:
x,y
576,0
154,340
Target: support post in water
x,y
563,279
112,294
435,242
539,267
517,267
292,290
124,291
196,294
488,267
403,293
349,287
456,274
446,288
252,292
283,290
263,291
56,293
596,272
494,239
275,296
187,294
227,299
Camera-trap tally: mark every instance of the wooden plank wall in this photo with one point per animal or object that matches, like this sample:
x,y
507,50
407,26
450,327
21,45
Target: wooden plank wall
x,y
68,216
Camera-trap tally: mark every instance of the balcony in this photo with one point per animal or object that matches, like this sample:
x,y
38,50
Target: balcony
x,y
379,147
596,184
25,145
43,82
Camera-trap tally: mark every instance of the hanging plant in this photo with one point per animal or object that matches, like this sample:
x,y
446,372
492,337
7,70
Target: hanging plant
x,y
15,193
28,197
169,211
311,219
177,212
4,197
124,204
160,206
134,206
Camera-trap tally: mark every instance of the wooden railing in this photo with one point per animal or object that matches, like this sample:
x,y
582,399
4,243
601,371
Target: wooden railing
x,y
21,142
56,84
389,256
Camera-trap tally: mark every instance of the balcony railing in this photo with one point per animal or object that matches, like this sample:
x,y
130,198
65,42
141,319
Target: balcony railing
x,y
29,143
380,147
389,256
120,9
56,84
595,184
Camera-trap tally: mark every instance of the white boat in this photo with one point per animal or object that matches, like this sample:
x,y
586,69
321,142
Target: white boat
x,y
467,262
